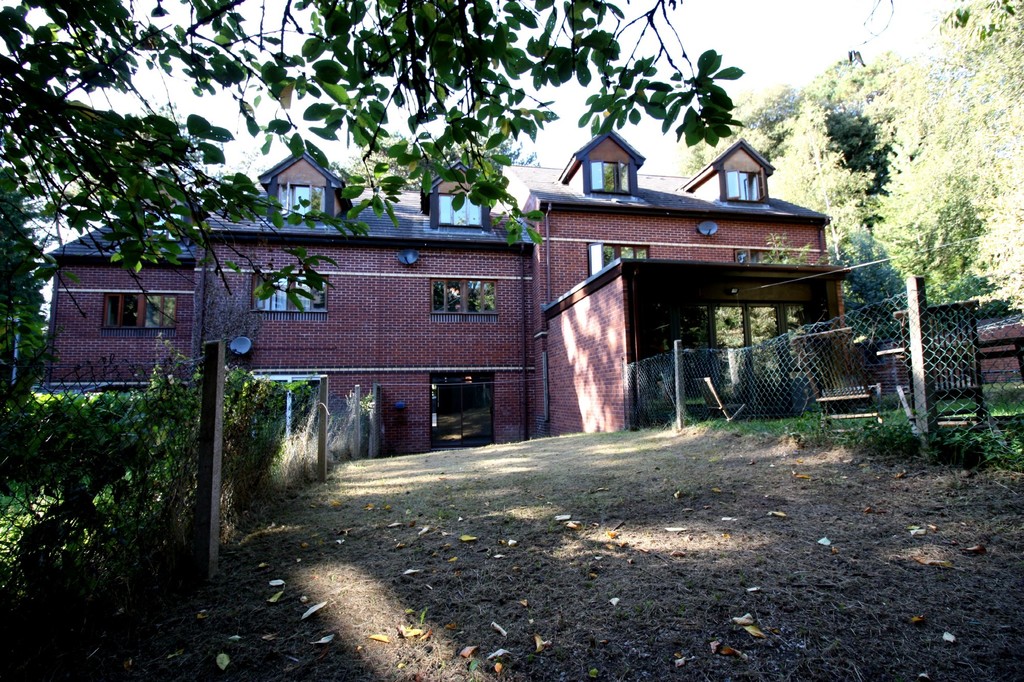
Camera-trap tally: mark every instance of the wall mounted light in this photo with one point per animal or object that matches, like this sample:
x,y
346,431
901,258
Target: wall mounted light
x,y
733,291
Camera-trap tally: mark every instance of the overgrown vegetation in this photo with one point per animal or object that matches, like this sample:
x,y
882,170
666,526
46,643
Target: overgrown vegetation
x,y
97,492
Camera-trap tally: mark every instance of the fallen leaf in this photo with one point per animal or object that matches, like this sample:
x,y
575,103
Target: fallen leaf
x,y
611,534
467,538
498,556
933,562
177,653
453,559
263,564
426,635
497,654
497,628
745,619
677,553
801,476
825,541
868,510
593,673
412,571
368,507
916,619
269,637
396,524
202,614
755,631
716,490
313,609
933,528
539,644
223,661
948,637
572,525
512,543
729,518
563,517
408,632
976,549
781,515
274,597
726,650
900,475
918,531
326,639
277,583
753,589
468,651
381,638
423,530
451,626
680,662
675,529
498,667
524,602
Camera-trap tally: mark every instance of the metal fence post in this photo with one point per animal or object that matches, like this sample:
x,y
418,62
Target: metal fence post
x,y
677,359
917,311
206,532
321,432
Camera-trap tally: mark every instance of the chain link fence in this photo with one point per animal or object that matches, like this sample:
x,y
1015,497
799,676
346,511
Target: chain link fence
x,y
860,367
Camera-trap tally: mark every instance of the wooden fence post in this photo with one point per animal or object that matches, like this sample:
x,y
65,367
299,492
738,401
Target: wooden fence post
x,y
373,450
206,531
917,312
323,415
627,397
677,357
358,393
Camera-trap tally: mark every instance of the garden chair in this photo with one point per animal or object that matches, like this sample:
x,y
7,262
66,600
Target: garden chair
x,y
715,404
838,378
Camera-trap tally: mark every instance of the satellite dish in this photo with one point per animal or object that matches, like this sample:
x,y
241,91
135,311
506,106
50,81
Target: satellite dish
x,y
240,345
408,256
708,228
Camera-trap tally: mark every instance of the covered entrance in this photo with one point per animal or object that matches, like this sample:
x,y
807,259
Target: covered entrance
x,y
462,410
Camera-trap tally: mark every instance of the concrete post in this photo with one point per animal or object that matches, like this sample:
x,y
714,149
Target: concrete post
x,y
923,389
677,357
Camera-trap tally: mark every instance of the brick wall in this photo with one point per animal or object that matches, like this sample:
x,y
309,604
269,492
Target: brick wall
x,y
586,347
77,320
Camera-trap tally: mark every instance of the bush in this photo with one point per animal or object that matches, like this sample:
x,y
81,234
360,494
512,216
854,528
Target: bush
x,y
97,491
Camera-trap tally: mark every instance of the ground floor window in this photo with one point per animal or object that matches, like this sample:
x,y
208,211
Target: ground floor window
x,y
719,326
462,410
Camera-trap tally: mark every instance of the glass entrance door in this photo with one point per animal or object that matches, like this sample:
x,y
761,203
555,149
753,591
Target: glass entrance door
x,y
462,413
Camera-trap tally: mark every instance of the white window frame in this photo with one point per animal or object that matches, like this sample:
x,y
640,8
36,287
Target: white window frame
x,y
469,215
742,185
293,194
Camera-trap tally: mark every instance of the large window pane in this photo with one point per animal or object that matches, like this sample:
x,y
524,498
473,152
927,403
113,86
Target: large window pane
x,y
693,326
130,311
437,296
796,317
473,296
729,326
488,297
453,302
764,324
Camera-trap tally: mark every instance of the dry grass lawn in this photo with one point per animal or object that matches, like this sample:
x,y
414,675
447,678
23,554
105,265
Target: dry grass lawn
x,y
621,556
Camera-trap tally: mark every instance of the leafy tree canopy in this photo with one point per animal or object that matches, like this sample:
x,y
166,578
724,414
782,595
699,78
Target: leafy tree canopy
x,y
448,74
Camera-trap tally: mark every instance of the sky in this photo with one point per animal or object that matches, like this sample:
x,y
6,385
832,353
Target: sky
x,y
775,42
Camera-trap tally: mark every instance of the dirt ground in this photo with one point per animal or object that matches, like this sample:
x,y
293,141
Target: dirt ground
x,y
621,556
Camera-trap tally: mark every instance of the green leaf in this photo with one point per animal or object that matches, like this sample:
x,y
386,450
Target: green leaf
x,y
296,145
197,125
729,74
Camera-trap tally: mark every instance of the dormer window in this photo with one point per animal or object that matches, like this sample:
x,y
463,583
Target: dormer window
x,y
467,215
302,198
609,176
742,186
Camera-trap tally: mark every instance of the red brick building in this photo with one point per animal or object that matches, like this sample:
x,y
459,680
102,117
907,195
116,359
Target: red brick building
x,y
474,340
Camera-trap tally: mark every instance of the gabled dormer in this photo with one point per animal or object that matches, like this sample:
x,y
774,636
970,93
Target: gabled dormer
x,y
738,174
607,166
441,203
302,185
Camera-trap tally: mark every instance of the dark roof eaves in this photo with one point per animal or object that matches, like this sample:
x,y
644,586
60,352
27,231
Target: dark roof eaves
x,y
625,209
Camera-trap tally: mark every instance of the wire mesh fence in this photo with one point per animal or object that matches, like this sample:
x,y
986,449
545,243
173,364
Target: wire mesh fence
x,y
862,366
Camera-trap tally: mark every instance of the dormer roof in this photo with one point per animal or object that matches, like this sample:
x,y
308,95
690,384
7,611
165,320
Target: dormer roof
x,y
581,154
718,164
333,180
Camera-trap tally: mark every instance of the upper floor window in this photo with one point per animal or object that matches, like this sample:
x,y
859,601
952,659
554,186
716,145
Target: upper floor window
x,y
463,296
742,186
602,255
303,298
469,214
302,198
139,310
609,176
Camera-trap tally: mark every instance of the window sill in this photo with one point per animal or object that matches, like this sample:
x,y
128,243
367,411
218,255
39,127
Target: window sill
x,y
138,332
293,315
463,317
